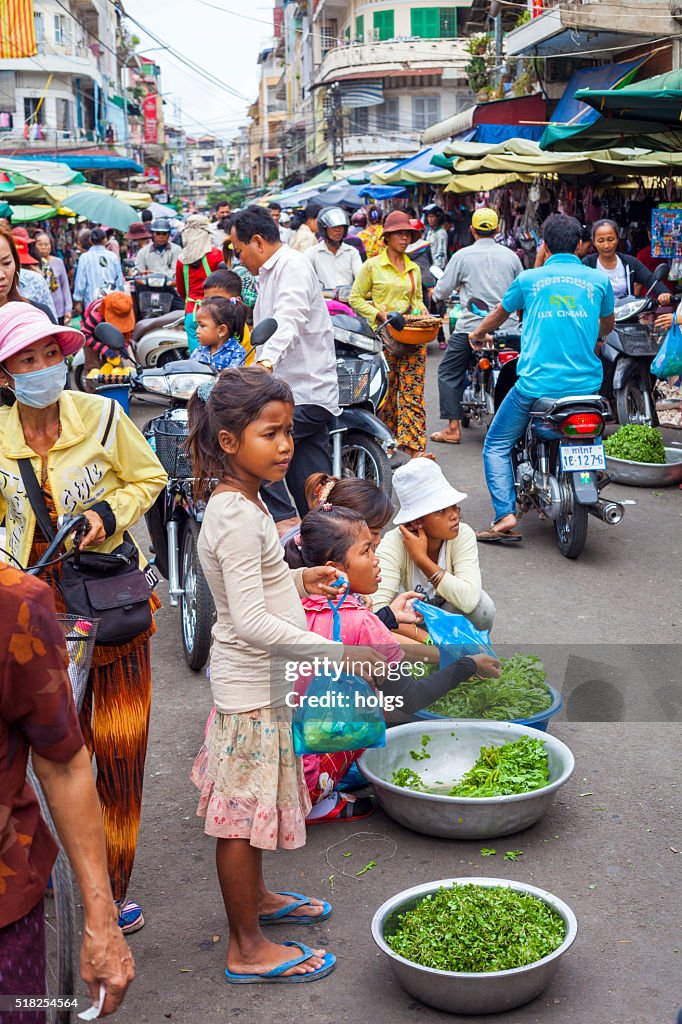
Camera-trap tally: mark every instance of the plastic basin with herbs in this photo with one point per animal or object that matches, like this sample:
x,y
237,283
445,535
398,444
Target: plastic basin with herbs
x,y
469,992
647,474
539,721
453,747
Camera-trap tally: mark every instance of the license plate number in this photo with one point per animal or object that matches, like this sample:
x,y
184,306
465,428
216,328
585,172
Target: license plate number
x,y
576,457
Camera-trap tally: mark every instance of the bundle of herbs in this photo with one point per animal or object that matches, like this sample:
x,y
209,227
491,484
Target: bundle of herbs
x,y
520,692
637,443
474,928
518,767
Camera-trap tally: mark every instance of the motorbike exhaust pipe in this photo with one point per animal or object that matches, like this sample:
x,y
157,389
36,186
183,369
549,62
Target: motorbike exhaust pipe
x,y
610,512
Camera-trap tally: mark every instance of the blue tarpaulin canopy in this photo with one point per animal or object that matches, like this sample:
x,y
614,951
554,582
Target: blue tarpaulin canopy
x,y
573,118
92,162
382,191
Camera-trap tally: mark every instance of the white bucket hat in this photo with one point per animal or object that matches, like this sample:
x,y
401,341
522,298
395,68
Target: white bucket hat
x,y
422,488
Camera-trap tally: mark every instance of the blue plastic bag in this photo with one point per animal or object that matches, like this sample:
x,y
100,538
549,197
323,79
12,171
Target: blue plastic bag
x,y
668,362
453,634
338,714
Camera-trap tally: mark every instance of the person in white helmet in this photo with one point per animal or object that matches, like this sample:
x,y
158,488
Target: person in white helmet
x,y
335,262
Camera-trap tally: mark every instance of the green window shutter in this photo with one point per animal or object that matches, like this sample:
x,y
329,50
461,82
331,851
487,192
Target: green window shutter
x,y
425,22
360,28
346,34
384,25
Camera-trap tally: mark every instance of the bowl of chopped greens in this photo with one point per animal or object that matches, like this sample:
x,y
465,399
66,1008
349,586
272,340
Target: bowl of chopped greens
x,y
637,457
521,695
474,945
467,779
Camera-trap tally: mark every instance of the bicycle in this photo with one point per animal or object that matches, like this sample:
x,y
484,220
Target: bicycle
x,y
61,927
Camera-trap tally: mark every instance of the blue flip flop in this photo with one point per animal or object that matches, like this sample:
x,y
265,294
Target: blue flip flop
x,y
284,915
276,974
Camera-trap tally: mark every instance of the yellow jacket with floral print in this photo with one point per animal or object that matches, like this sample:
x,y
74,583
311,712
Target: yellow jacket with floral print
x,y
100,461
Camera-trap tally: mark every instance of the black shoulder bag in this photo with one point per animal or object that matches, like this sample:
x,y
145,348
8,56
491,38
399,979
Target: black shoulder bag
x,y
108,588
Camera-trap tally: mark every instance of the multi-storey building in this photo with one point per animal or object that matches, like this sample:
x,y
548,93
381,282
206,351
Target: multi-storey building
x,y
206,159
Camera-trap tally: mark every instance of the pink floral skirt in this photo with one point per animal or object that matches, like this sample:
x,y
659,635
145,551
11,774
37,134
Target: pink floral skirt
x,y
251,782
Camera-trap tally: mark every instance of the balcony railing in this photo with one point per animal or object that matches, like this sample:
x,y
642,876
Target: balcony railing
x,y
392,54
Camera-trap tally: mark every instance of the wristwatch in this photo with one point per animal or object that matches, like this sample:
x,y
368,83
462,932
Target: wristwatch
x,y
265,363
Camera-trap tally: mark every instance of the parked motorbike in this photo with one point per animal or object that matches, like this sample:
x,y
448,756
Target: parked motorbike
x,y
155,341
154,295
627,355
361,444
559,464
478,400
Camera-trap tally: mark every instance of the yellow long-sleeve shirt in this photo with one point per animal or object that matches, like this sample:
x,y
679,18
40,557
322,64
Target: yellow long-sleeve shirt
x,y
380,286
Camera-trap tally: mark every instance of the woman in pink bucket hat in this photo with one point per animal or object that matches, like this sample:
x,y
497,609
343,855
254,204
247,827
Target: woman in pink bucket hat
x,y
87,456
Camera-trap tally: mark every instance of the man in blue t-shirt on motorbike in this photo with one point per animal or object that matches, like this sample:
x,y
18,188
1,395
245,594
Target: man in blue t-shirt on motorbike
x,y
567,307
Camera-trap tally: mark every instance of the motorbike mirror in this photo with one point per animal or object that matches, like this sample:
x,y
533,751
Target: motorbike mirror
x,y
396,320
661,271
479,307
436,272
110,336
263,331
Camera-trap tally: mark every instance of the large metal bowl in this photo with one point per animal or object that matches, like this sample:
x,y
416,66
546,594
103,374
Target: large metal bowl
x,y
455,745
647,474
464,993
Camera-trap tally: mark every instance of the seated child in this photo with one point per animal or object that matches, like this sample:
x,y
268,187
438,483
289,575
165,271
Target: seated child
x,y
336,536
220,329
431,551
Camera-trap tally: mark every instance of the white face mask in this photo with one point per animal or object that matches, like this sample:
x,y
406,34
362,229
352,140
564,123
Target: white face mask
x,y
40,388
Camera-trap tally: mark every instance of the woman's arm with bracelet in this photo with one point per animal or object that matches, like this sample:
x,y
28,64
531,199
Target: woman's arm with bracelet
x,y
420,693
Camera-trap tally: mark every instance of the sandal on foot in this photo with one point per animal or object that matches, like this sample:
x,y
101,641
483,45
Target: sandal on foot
x,y
284,915
498,537
130,917
440,438
276,975
346,810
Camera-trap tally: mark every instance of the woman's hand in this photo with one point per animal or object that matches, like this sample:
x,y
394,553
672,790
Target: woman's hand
x,y
319,579
382,316
487,667
416,543
664,321
106,960
402,608
96,533
664,299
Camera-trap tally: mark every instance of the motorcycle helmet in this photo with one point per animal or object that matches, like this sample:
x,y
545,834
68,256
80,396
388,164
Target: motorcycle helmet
x,y
332,217
161,225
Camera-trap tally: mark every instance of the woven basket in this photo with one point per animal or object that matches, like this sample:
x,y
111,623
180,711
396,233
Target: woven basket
x,y
420,329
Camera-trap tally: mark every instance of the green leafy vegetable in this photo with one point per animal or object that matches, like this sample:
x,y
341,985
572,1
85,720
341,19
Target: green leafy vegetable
x,y
421,755
520,692
513,854
518,767
477,929
408,779
637,443
367,867
423,669
487,852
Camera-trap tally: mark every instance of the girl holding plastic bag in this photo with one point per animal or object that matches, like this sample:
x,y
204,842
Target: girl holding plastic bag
x,y
253,792
340,538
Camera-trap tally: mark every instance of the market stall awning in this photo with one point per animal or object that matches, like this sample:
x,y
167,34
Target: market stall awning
x,y
41,171
647,113
92,161
492,122
415,170
573,120
484,182
27,214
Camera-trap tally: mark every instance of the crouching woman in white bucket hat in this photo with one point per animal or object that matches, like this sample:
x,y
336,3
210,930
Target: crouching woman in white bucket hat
x,y
431,551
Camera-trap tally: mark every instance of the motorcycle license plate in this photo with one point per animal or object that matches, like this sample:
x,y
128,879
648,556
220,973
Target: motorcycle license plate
x,y
576,457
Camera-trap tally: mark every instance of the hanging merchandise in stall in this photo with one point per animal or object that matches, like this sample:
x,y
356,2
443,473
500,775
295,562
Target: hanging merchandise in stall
x,y
666,231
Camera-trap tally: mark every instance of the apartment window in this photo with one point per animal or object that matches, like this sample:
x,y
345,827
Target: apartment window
x,y
360,28
328,35
384,27
425,112
358,122
433,22
63,114
60,30
388,116
39,29
33,115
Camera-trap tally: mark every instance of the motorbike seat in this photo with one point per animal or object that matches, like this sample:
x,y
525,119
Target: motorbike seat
x,y
143,327
548,405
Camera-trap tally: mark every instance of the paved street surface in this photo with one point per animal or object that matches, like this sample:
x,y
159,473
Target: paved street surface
x,y
608,846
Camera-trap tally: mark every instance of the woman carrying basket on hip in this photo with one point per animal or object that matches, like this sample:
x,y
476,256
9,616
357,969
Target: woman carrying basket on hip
x,y
69,452
391,282
198,259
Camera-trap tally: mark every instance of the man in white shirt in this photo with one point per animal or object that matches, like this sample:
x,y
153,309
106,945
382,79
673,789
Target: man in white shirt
x,y
285,233
301,351
336,263
160,255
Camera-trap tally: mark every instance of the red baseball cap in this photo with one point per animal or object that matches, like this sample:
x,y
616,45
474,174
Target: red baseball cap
x,y
24,255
